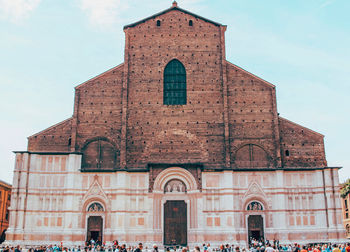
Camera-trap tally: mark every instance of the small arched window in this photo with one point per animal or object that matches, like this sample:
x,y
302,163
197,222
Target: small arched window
x,y
190,23
287,153
158,22
174,90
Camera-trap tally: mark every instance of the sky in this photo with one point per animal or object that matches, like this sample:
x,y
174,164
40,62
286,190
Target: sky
x,y
47,47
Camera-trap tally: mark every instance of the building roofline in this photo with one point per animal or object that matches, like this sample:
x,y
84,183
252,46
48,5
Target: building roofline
x,y
251,74
301,126
53,126
5,184
49,152
99,75
171,9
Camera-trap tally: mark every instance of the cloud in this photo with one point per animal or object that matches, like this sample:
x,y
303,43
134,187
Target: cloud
x,y
17,10
103,12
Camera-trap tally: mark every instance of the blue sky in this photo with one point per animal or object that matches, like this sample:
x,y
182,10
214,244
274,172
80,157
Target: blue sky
x,y
47,47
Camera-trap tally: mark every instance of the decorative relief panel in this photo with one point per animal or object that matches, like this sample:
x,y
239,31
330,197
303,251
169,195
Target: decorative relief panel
x,y
156,169
255,206
95,207
175,186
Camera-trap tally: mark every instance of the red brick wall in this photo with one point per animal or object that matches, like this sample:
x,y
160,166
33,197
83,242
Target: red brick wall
x,y
306,147
252,113
175,134
99,108
55,138
230,115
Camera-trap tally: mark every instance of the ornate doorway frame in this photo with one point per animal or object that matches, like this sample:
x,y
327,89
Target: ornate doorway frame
x,y
255,212
161,197
101,214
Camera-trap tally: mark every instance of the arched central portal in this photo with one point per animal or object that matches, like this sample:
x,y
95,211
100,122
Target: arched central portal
x,y
255,228
95,223
174,214
175,223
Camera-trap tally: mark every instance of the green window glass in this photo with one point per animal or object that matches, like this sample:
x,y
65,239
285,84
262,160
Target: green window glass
x,y
174,90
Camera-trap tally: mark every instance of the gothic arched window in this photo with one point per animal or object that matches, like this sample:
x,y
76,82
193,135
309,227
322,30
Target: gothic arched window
x,y
174,92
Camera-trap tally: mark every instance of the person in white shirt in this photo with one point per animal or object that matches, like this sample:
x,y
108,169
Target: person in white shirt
x,y
269,248
209,249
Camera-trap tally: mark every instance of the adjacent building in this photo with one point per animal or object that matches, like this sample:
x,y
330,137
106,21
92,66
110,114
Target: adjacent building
x,y
5,199
345,199
175,145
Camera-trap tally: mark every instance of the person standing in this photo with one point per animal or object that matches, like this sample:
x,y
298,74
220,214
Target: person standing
x,y
205,248
335,248
139,248
155,248
304,249
197,249
209,249
347,248
123,248
269,248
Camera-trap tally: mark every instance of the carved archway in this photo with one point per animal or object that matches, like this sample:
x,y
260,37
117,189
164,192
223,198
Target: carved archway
x,y
95,219
255,217
91,201
162,199
174,173
255,198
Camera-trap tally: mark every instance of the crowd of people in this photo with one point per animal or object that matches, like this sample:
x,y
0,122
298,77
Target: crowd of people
x,y
255,246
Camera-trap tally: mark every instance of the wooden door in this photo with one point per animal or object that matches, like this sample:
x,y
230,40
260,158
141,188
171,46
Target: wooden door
x,y
255,227
94,229
175,223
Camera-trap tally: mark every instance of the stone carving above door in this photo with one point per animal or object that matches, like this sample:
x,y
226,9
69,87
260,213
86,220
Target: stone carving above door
x,y
95,207
175,186
255,206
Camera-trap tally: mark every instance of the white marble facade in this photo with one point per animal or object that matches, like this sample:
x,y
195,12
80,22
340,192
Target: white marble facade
x,y
51,199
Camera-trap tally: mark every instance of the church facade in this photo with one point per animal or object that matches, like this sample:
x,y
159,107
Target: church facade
x,y
175,146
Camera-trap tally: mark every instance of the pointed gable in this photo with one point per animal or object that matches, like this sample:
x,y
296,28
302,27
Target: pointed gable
x,y
173,8
95,190
254,190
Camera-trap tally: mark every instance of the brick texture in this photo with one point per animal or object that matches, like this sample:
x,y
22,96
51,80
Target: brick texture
x,y
230,120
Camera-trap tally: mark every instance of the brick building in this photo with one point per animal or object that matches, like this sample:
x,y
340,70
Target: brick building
x,y
175,146
5,199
